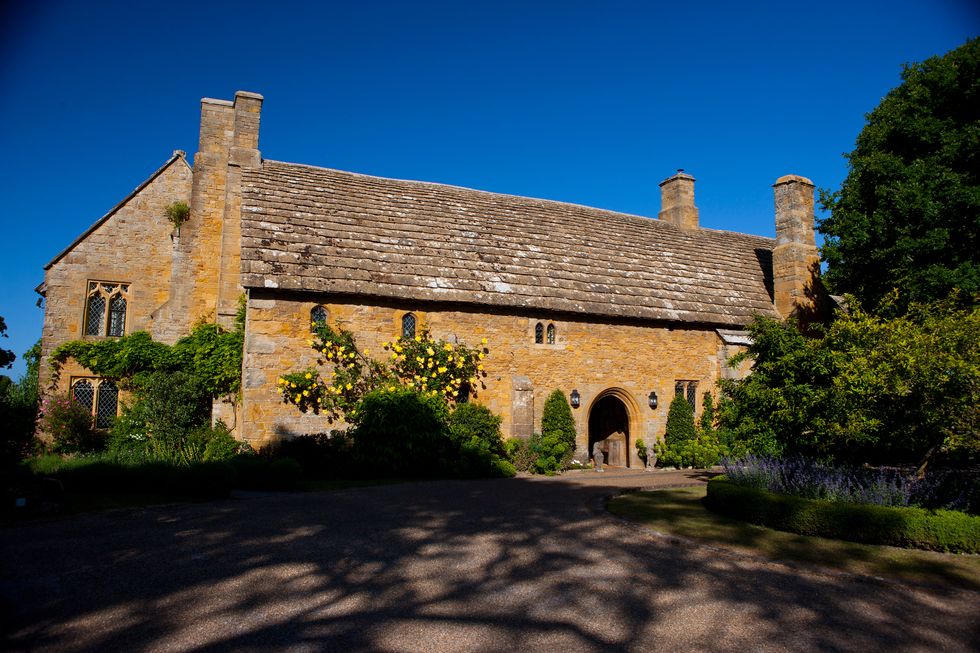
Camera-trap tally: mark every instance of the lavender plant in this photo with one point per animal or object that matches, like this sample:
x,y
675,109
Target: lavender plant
x,y
878,486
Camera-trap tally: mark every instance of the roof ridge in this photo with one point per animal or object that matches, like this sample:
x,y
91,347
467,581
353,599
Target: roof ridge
x,y
436,184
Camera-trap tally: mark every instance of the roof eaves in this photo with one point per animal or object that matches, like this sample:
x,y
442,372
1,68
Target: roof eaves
x,y
177,155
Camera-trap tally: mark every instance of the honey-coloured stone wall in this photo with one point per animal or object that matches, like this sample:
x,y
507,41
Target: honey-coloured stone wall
x,y
133,244
595,358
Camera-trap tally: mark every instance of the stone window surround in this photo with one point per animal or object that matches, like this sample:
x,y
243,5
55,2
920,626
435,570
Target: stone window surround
x,y
550,334
96,382
319,308
689,388
96,287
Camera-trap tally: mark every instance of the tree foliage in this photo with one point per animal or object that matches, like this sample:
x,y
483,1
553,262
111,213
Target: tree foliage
x,y
7,357
871,389
18,411
908,214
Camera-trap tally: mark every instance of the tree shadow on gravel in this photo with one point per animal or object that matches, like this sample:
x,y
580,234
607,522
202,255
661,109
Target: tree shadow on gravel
x,y
515,564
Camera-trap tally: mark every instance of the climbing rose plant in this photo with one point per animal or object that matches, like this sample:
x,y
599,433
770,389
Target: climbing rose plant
x,y
421,364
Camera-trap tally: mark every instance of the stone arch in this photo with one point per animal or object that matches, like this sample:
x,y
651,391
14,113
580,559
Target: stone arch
x,y
612,421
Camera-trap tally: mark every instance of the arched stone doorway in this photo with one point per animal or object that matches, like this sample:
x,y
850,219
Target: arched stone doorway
x,y
609,425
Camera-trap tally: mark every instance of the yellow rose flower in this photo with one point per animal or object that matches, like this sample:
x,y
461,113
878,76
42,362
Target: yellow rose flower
x,y
442,370
306,393
349,386
483,342
292,385
418,338
447,347
433,375
394,356
309,376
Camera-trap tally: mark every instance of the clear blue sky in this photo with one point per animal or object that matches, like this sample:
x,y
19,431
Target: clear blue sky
x,y
586,102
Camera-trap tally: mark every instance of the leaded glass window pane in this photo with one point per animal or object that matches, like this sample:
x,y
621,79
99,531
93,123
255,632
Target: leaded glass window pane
x,y
692,389
318,316
551,334
106,409
678,388
538,333
408,326
117,315
83,392
95,316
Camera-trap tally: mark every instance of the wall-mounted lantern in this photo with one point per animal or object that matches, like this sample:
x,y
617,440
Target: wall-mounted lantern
x,y
652,399
576,399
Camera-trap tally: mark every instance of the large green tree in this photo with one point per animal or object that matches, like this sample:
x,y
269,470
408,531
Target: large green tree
x,y
908,214
873,389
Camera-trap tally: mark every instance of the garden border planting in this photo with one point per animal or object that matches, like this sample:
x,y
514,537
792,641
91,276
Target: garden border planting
x,y
907,527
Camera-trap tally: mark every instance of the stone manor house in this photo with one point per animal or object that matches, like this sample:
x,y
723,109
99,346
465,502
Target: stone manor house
x,y
618,311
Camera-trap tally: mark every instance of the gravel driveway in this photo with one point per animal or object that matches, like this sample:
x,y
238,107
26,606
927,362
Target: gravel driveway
x,y
525,564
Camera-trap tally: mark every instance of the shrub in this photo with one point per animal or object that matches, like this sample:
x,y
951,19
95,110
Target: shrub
x,y
702,453
910,527
680,421
254,472
520,454
557,420
178,213
552,454
70,426
641,449
106,472
321,455
403,433
878,486
475,431
127,437
18,411
174,404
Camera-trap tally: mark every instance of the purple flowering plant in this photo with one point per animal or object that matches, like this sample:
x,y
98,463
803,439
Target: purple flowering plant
x,y
879,486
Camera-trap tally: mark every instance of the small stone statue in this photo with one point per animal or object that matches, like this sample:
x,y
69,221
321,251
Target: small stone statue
x,y
597,456
651,460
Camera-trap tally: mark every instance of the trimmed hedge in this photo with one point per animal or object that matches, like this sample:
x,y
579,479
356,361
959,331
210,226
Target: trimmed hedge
x,y
918,528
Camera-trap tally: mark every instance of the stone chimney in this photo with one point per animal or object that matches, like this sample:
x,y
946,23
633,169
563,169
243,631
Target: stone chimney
x,y
207,256
795,259
677,201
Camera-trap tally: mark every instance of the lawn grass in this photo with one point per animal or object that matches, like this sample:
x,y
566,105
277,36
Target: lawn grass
x,y
681,512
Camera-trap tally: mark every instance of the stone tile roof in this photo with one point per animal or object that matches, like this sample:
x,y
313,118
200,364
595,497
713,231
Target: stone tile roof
x,y
315,229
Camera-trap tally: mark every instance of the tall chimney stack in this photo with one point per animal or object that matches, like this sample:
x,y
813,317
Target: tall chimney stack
x,y
209,245
677,201
795,259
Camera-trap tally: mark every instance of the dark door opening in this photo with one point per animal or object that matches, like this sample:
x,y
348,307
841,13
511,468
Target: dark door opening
x,y
609,425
